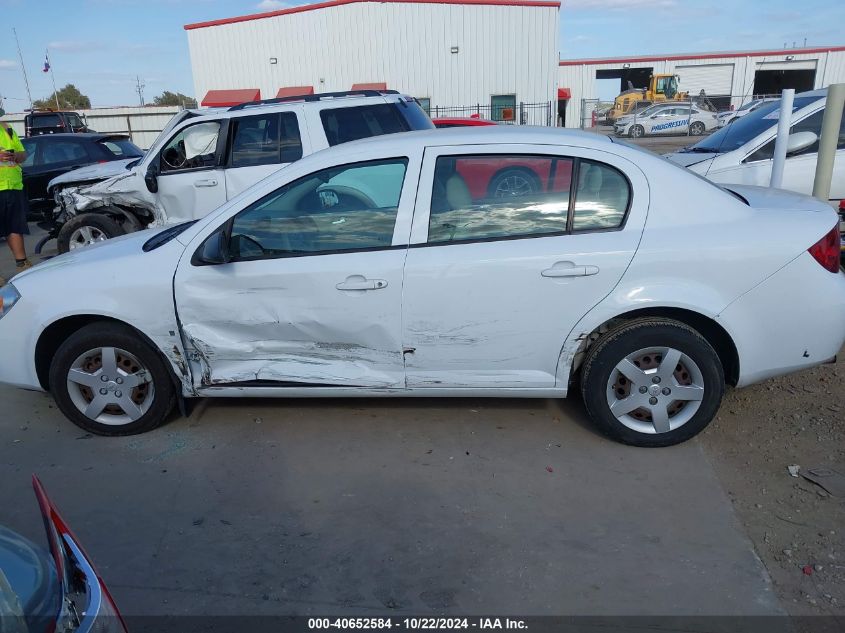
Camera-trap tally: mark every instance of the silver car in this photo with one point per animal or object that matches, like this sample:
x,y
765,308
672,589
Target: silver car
x,y
668,119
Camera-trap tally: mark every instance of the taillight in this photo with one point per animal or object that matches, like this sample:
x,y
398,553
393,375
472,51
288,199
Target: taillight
x,y
826,250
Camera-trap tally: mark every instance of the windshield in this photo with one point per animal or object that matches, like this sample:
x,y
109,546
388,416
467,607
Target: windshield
x,y
121,148
748,127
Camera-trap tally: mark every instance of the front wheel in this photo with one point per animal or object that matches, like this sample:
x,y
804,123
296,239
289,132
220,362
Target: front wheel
x,y
637,131
108,381
652,382
86,229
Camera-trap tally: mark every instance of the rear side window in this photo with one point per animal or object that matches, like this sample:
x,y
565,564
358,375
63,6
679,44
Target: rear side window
x,y
350,124
74,121
120,148
486,197
265,139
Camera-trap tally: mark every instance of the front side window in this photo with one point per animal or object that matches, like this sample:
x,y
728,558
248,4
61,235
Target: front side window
x,y
194,147
342,125
266,139
503,107
30,147
74,121
346,208
425,104
487,197
812,123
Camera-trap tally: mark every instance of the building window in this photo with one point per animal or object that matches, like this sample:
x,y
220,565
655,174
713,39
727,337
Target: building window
x,y
425,104
503,107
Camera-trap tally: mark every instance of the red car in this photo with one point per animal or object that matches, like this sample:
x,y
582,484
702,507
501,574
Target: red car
x,y
498,178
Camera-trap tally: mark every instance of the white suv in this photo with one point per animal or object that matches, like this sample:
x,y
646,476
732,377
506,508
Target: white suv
x,y
205,157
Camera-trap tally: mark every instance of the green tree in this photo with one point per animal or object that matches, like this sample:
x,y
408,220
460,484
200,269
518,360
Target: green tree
x,y
168,98
69,97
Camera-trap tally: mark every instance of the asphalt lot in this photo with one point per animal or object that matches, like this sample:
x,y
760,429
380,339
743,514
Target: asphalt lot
x,y
385,507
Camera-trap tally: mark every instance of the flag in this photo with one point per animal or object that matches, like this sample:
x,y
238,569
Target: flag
x,y
46,64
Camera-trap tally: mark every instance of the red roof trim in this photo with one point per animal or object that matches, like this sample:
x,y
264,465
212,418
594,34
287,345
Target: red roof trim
x,y
661,58
374,85
295,91
338,3
226,98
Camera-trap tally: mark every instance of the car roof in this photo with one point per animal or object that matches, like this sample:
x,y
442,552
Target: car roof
x,y
257,108
90,136
485,135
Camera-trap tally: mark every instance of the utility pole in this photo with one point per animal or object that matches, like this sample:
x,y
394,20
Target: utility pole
x,y
23,69
49,68
139,88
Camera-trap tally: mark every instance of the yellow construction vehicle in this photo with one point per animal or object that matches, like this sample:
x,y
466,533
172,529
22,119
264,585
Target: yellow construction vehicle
x,y
660,88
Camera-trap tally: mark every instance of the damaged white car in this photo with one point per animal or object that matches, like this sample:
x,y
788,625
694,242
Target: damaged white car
x,y
389,267
206,157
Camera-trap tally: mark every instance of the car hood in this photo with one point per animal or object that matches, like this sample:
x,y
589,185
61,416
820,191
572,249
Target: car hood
x,y
687,159
97,171
29,586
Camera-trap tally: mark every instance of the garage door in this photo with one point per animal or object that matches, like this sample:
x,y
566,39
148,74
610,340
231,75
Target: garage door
x,y
714,79
801,64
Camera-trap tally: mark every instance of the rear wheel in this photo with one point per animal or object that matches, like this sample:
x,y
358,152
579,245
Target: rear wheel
x,y
652,382
637,131
86,229
697,128
108,381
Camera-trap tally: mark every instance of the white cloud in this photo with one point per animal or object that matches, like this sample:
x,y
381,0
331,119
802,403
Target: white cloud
x,y
619,5
7,64
271,5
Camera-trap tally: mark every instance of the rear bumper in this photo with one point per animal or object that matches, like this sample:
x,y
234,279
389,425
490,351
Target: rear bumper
x,y
793,320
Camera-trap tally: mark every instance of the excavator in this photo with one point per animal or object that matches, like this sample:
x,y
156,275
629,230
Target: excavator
x,y
660,88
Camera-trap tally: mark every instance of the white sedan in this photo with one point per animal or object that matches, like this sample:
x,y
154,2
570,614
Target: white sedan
x,y
673,119
386,268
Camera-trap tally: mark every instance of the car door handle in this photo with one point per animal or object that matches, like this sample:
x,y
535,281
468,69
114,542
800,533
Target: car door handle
x,y
359,282
205,183
569,269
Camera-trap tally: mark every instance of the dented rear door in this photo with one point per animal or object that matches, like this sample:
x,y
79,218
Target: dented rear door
x,y
313,294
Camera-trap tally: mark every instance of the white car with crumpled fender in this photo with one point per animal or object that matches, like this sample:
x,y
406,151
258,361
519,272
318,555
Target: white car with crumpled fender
x,y
670,119
385,268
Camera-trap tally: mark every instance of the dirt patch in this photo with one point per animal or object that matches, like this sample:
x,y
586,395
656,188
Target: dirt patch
x,y
798,529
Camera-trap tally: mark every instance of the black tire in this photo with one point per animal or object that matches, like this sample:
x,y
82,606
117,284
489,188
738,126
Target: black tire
x,y
102,224
105,334
636,131
528,182
696,128
603,357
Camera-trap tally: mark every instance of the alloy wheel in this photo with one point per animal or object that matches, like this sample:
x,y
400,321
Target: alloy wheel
x,y
655,390
85,236
110,386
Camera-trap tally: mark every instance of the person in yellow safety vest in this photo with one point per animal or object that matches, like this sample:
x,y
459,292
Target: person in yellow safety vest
x,y
13,202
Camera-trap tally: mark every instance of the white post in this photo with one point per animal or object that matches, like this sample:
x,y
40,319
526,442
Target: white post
x,y
782,139
828,141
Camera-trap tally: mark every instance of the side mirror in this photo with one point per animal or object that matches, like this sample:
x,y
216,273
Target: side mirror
x,y
214,250
151,178
800,141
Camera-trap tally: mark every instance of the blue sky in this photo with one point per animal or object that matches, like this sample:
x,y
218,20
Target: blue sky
x,y
101,45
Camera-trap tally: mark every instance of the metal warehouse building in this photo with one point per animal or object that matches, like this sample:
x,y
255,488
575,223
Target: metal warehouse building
x,y
728,78
492,53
